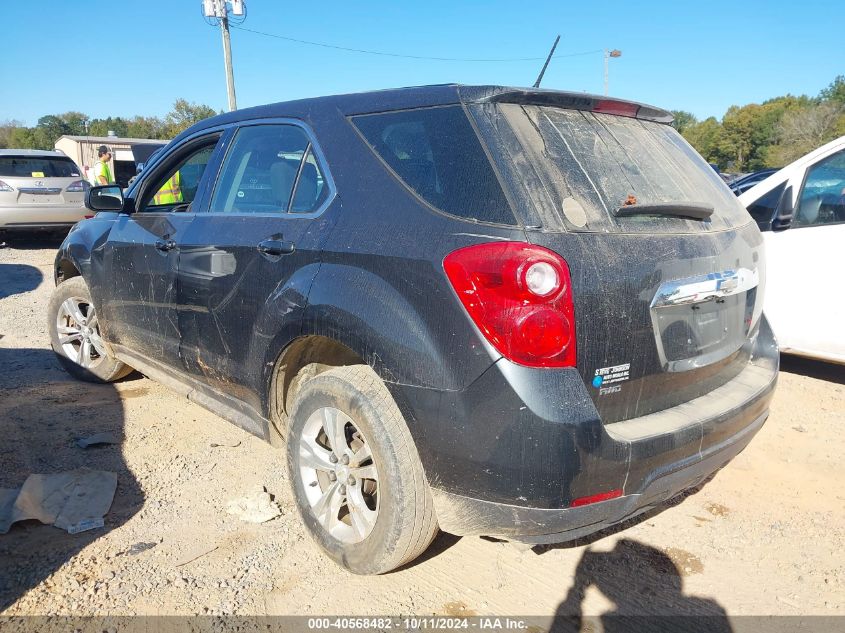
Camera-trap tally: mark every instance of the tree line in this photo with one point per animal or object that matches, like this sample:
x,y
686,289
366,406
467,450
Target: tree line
x,y
49,128
769,134
747,138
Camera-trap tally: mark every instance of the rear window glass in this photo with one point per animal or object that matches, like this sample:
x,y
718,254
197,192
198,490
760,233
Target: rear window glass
x,y
436,153
38,167
574,169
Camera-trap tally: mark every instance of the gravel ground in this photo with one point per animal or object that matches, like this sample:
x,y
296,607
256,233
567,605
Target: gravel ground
x,y
765,536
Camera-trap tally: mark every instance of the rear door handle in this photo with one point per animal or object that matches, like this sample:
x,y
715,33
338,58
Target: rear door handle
x,y
165,245
276,248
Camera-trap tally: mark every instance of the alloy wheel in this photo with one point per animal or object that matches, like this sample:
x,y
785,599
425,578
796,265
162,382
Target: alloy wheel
x,y
79,333
339,475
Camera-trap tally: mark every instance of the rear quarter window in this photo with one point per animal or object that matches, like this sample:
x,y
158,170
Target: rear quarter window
x,y
436,153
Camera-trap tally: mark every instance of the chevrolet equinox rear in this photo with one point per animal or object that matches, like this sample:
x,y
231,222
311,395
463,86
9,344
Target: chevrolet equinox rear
x,y
526,314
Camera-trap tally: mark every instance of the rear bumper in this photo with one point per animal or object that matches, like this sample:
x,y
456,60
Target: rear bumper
x,y
503,462
27,218
540,525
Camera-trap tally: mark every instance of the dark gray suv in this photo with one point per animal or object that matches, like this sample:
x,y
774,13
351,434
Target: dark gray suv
x,y
520,313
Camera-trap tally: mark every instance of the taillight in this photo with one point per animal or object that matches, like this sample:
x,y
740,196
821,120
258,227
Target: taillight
x,y
77,186
520,296
5,187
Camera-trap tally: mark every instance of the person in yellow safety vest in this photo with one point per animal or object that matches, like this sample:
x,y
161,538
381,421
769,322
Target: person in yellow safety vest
x,y
170,192
102,171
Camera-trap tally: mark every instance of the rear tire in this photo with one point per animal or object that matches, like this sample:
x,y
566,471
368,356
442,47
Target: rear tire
x,y
75,335
356,475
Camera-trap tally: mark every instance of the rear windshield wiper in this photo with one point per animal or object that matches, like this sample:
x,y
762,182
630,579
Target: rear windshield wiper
x,y
693,210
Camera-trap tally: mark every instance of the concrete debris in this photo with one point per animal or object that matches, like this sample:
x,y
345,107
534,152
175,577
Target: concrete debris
x,y
255,507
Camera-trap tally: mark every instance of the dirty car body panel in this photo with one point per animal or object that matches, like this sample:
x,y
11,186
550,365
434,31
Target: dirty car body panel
x,y
675,362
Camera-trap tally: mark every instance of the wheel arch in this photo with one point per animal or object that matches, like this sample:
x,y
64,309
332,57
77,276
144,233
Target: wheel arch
x,y
303,358
65,269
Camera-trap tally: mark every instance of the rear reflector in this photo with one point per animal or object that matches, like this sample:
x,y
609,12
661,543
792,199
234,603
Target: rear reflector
x,y
602,496
520,297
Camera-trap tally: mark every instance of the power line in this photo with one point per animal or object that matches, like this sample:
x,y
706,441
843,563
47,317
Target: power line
x,y
422,57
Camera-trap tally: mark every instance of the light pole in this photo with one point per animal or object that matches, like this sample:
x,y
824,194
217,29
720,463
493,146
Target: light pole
x,y
607,55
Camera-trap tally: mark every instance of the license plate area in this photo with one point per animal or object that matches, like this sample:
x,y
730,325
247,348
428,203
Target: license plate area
x,y
703,320
40,195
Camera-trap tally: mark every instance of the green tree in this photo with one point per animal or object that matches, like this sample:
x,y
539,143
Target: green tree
x,y
101,127
804,129
683,120
48,130
184,114
835,91
6,129
23,138
146,127
704,136
75,122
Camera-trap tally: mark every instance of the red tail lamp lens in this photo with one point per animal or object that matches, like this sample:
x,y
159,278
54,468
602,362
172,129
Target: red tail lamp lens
x,y
602,496
520,296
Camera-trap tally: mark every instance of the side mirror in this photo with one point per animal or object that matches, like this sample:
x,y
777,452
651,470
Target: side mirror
x,y
104,198
784,211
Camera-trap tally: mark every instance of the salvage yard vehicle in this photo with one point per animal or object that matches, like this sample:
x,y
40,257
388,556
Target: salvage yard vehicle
x,y
801,212
527,314
40,190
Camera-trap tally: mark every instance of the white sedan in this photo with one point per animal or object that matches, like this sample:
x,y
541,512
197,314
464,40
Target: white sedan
x,y
801,211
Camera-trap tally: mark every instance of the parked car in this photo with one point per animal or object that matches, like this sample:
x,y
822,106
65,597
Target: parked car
x,y
801,212
40,190
528,314
744,183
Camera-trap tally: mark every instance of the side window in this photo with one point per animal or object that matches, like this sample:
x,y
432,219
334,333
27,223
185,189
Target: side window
x,y
763,209
823,196
269,169
437,154
177,187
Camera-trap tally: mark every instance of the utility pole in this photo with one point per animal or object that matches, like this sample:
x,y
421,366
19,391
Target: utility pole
x,y
227,60
607,55
217,9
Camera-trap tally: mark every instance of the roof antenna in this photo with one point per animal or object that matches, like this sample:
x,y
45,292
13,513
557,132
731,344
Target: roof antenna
x,y
548,59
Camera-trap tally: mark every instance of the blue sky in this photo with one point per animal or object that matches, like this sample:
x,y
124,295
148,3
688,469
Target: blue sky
x,y
126,57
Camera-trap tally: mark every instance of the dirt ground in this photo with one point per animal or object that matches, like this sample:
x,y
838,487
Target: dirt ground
x,y
765,536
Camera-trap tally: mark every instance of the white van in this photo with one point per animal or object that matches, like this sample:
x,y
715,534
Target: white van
x,y
801,212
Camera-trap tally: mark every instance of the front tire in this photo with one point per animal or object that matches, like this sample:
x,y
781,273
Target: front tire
x,y
356,475
74,330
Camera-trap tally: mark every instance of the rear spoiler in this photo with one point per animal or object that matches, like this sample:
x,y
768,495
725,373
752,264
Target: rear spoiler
x,y
575,101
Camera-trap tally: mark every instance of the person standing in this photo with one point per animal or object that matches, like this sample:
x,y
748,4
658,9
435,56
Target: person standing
x,y
102,170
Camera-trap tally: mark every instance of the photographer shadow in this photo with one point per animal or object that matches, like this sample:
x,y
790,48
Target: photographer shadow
x,y
646,589
18,278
